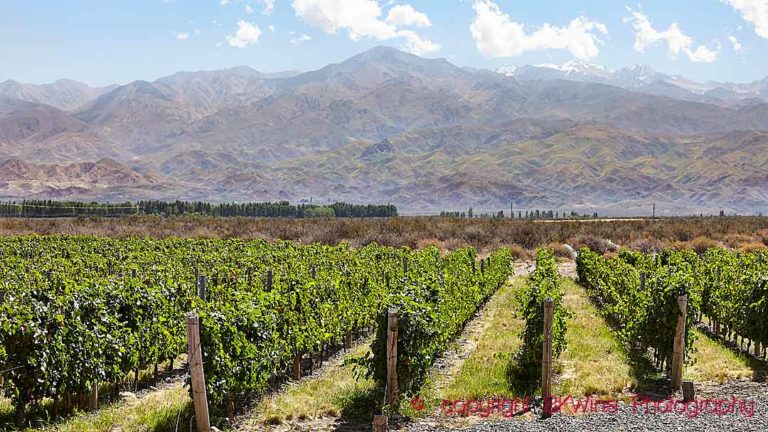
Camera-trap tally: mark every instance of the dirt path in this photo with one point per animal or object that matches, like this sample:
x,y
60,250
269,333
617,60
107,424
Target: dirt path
x,y
523,268
567,269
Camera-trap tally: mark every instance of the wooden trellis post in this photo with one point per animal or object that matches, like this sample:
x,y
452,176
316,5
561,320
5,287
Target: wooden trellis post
x,y
546,357
348,340
678,351
93,399
199,396
296,369
380,423
390,397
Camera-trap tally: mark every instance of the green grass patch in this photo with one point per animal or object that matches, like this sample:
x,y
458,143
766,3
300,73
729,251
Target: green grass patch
x,y
716,362
157,411
485,372
335,392
595,362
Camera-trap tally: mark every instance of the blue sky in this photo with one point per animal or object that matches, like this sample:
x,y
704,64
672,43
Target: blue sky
x,y
110,41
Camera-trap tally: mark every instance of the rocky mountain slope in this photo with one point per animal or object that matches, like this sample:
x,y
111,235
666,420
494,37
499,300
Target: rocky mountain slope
x,y
387,126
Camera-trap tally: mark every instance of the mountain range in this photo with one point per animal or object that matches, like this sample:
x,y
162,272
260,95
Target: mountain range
x,y
387,126
644,79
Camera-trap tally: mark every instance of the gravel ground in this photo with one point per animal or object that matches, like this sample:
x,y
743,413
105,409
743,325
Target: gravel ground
x,y
629,418
523,268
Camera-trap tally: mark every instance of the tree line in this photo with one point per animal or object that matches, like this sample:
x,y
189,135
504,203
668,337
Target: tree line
x,y
51,208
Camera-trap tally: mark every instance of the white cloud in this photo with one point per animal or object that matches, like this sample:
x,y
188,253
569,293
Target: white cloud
x,y
754,12
406,15
496,35
736,44
298,40
246,34
676,40
269,6
360,19
182,36
416,44
271,28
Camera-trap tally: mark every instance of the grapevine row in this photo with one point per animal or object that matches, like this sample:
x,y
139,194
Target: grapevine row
x,y
638,294
436,299
543,283
79,312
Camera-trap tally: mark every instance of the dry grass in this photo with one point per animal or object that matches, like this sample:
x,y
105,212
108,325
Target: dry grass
x,y
737,239
413,231
426,243
158,411
762,234
646,245
330,393
562,251
597,244
519,253
715,362
752,246
700,244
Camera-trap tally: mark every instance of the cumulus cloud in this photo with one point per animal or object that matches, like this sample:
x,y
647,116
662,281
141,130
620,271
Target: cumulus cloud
x,y
497,35
736,44
417,44
360,19
406,15
247,34
754,12
676,40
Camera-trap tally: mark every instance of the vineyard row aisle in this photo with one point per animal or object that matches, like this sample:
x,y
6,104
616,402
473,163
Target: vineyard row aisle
x,y
594,363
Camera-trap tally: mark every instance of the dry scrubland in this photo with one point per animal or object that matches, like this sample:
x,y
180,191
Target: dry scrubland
x,y
522,236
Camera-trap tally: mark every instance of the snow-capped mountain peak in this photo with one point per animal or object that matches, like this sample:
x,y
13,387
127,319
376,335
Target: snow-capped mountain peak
x,y
641,78
568,70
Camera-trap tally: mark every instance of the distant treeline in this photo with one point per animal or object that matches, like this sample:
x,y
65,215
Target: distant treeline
x,y
50,208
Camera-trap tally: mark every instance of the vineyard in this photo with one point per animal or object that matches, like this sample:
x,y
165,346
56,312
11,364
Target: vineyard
x,y
81,318
80,314
639,294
